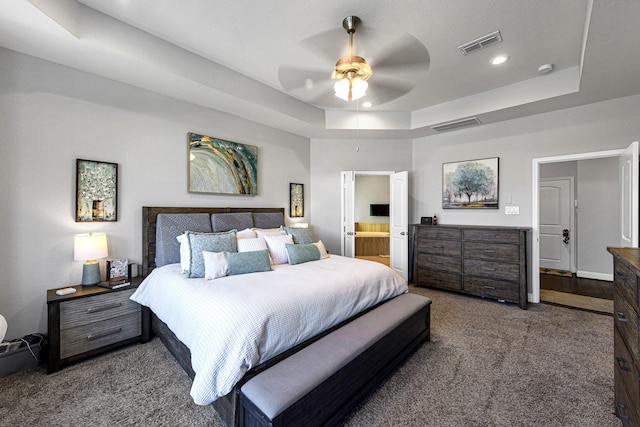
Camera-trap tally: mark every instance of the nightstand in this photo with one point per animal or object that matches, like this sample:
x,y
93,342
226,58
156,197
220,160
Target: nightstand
x,y
90,321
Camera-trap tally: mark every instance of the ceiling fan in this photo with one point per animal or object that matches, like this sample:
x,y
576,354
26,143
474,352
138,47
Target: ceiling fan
x,y
398,63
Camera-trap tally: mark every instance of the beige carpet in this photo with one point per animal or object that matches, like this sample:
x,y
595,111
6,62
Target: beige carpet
x,y
488,364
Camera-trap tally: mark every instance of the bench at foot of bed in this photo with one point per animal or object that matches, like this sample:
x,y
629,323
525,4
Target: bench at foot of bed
x,y
321,383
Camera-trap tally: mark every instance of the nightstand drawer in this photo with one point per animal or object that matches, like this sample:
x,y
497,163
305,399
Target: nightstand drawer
x,y
627,323
99,334
626,282
84,311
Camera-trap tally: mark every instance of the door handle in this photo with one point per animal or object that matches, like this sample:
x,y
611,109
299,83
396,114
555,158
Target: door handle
x,y
565,236
402,233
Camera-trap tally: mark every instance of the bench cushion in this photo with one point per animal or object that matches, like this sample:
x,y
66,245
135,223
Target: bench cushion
x,y
283,384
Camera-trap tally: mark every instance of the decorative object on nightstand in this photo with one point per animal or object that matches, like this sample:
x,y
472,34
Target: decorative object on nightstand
x,y
117,268
89,247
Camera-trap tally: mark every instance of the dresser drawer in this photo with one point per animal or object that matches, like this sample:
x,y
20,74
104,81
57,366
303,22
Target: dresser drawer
x,y
626,282
440,247
441,262
624,408
492,251
99,334
439,232
439,279
491,288
492,235
96,308
625,370
625,319
492,269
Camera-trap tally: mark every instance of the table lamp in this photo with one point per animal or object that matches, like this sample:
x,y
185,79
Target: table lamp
x,y
89,247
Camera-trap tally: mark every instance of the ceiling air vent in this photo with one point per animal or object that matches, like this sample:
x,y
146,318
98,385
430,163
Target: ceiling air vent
x,y
441,127
484,41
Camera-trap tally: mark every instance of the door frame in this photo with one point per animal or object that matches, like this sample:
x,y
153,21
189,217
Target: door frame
x,y
573,264
534,295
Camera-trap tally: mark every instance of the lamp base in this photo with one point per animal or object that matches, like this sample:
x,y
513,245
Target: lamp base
x,y
90,273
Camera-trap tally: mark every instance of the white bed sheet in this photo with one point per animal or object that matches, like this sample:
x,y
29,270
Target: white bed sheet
x,y
234,323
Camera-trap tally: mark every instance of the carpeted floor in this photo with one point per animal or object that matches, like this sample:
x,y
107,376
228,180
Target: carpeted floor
x,y
488,364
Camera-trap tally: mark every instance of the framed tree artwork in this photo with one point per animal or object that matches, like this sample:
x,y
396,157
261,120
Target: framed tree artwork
x,y
471,184
96,191
296,200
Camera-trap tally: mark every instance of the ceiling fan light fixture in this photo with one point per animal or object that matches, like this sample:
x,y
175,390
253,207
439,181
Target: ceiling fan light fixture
x,y
350,88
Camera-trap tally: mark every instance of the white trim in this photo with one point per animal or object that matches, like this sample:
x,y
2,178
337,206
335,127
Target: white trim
x,y
534,295
596,276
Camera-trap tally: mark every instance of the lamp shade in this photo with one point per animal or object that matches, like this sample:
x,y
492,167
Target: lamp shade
x,y
350,89
90,246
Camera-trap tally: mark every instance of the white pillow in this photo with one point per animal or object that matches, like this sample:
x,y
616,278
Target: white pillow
x,y
185,253
323,251
215,265
277,249
261,232
247,233
249,245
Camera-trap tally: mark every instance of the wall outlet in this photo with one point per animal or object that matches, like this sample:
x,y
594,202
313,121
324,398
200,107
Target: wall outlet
x,y
512,210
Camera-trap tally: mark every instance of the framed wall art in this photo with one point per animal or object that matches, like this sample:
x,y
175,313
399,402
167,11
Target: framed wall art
x,y
296,200
96,191
471,184
221,167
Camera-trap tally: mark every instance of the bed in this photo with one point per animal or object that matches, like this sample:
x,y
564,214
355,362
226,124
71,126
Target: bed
x,y
335,288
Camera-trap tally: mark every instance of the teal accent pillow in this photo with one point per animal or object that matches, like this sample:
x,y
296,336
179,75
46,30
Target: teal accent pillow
x,y
247,262
302,253
210,242
300,235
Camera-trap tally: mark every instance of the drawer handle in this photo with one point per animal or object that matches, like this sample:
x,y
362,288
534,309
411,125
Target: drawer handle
x,y
103,334
620,406
621,361
488,269
621,317
436,262
104,307
620,276
489,287
489,251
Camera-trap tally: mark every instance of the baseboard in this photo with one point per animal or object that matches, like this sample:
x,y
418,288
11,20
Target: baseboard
x,y
595,276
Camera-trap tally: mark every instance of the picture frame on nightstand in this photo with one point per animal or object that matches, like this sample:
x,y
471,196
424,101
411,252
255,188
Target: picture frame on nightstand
x,y
117,268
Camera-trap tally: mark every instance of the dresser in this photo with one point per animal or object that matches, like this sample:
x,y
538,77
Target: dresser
x,y
626,346
90,321
485,261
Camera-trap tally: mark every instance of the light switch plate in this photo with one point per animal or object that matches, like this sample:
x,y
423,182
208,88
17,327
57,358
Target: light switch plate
x,y
512,210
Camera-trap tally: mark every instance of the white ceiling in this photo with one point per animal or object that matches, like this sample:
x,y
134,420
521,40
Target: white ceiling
x,y
230,55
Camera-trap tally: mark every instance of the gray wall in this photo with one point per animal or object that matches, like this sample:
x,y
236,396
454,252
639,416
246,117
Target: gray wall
x,y
370,189
52,115
599,216
329,158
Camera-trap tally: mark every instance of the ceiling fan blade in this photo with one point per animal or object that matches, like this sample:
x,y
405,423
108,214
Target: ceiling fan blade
x,y
406,54
384,90
329,45
304,83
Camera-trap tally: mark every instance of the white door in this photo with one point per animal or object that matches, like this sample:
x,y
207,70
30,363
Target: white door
x,y
348,247
399,223
629,196
556,224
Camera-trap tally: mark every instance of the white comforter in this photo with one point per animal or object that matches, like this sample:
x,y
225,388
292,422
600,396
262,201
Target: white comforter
x,y
236,322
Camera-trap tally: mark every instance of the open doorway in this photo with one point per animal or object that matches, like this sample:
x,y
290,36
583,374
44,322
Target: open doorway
x,y
590,245
371,217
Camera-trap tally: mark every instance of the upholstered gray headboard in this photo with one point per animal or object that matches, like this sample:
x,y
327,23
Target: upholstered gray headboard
x,y
161,225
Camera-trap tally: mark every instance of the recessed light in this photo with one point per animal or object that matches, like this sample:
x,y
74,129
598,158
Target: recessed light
x,y
500,59
366,104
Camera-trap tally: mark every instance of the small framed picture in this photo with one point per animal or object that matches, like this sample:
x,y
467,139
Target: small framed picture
x,y
117,268
96,191
426,220
296,200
